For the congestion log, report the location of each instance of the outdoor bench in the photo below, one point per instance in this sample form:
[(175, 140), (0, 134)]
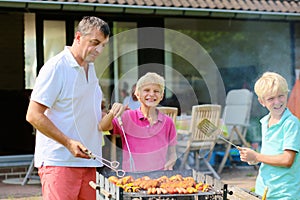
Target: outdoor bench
[(20, 161), (15, 160)]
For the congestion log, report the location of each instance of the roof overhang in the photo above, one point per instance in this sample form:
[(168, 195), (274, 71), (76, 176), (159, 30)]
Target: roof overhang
[(30, 5)]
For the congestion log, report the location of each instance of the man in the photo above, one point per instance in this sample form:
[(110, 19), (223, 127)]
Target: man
[(65, 108)]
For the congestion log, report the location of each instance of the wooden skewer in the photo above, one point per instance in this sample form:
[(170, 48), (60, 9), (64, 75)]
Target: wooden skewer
[(102, 190), (264, 197)]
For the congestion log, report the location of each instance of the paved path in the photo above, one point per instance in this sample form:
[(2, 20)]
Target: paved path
[(17, 191)]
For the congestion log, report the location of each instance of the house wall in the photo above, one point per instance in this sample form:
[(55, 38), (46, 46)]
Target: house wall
[(16, 133), (12, 54)]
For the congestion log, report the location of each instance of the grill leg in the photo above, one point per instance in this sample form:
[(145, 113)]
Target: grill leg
[(225, 191)]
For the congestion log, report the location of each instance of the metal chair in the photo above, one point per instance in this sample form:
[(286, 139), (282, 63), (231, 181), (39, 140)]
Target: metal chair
[(236, 117), (170, 111), (198, 143), (29, 174)]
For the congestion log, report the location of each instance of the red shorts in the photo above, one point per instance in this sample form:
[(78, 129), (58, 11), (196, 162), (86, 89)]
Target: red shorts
[(67, 183)]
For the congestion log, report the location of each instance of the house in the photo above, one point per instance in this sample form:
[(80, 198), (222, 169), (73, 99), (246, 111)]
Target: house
[(204, 48)]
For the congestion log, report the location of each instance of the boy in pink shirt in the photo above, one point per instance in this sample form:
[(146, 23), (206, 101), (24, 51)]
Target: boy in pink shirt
[(149, 142)]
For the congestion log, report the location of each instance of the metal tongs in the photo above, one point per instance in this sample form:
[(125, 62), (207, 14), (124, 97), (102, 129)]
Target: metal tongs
[(132, 165), (113, 165)]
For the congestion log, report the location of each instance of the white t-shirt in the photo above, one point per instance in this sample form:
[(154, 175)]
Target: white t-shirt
[(74, 107)]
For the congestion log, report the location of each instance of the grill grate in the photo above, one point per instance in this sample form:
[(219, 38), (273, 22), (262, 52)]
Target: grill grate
[(218, 192)]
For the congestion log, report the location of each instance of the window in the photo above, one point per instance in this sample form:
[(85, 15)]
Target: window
[(241, 50), (121, 63), (54, 38), (30, 50)]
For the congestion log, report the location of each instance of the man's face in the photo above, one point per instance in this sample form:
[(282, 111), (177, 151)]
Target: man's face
[(91, 45)]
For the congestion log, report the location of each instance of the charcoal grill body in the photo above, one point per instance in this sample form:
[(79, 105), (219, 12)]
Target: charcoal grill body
[(218, 192)]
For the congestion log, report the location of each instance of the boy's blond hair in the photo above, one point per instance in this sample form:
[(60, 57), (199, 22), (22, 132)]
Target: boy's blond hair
[(150, 78), (270, 83)]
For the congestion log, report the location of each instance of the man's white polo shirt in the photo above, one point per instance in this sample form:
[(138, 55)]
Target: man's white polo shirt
[(74, 104)]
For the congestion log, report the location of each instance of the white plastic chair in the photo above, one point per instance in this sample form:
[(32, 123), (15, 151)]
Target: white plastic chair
[(236, 117)]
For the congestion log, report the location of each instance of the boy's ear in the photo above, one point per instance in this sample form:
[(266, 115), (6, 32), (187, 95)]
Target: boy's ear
[(137, 94), (162, 96), (261, 102)]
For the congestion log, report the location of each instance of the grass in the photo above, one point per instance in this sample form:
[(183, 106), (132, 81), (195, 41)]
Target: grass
[(250, 174)]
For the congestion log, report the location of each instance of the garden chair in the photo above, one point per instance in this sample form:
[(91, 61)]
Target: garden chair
[(236, 117), (198, 143)]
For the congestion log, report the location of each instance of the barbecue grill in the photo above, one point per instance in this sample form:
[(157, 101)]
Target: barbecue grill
[(107, 190)]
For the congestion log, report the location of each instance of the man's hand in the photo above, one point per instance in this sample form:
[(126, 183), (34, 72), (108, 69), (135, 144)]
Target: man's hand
[(77, 149)]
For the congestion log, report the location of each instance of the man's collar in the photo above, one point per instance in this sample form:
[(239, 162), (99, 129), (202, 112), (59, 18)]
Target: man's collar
[(70, 57)]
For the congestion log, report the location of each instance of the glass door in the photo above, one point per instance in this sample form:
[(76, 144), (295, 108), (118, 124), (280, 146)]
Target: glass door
[(54, 38)]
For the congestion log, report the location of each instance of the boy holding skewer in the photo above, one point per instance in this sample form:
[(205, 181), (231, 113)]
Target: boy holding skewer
[(148, 136)]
